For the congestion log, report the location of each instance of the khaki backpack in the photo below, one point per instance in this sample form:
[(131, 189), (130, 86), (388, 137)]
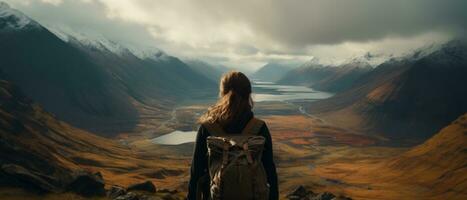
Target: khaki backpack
[(234, 162)]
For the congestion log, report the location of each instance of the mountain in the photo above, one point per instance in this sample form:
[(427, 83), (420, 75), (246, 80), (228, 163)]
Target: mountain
[(439, 163), (327, 78), (213, 72), (407, 98), (435, 169), (92, 84), (13, 19), (58, 76), (149, 73), (271, 72), (40, 153)]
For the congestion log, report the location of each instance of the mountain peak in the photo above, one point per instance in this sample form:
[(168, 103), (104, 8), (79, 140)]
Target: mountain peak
[(102, 43), (454, 47), (4, 5), (368, 59), (13, 19)]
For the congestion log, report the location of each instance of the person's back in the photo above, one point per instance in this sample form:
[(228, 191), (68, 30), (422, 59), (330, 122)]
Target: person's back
[(233, 156)]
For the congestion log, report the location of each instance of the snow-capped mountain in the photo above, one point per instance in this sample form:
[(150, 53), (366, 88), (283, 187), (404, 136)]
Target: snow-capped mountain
[(315, 61), (102, 43), (11, 18), (327, 77), (272, 71), (406, 97), (369, 58), (453, 47), (211, 71), (90, 82)]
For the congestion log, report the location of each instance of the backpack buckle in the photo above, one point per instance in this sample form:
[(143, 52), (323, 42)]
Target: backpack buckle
[(247, 153), (225, 153)]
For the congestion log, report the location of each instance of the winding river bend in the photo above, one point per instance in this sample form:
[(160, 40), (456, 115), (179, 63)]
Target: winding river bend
[(263, 92)]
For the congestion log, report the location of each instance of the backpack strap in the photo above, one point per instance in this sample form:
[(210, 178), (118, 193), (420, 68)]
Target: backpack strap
[(214, 129), (253, 127)]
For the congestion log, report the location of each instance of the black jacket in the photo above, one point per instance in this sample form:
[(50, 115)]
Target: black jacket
[(199, 164)]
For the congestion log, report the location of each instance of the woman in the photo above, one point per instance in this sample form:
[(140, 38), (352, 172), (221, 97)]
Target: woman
[(231, 114)]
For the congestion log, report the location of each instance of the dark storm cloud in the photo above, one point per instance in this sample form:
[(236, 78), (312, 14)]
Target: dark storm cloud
[(84, 17), (308, 22), (256, 31)]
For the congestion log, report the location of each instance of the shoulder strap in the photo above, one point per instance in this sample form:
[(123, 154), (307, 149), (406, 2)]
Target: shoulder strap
[(214, 129), (253, 127)]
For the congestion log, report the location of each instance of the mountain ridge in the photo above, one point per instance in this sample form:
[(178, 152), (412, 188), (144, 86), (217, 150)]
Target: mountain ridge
[(91, 88), (402, 97), (326, 77)]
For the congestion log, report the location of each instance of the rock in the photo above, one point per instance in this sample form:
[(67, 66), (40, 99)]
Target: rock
[(99, 175), (324, 196), (341, 198), (16, 175), (147, 186), (299, 193), (116, 191), (132, 196), (127, 196), (165, 190), (87, 184)]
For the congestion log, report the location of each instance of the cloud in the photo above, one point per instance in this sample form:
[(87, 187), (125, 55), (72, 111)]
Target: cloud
[(53, 2), (249, 33)]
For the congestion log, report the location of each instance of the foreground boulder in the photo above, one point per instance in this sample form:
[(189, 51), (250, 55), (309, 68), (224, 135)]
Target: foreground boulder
[(146, 186), (165, 190), (87, 184), (324, 196), (301, 193), (15, 175), (129, 196), (116, 191)]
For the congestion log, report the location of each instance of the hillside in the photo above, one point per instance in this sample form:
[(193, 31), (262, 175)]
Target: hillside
[(271, 72), (326, 78), (210, 71), (436, 169), (147, 75), (439, 163), (408, 98), (88, 84), (42, 154)]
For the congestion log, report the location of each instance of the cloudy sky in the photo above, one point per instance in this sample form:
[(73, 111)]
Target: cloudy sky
[(246, 34)]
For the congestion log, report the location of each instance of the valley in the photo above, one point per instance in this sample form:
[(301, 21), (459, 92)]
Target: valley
[(302, 142), (86, 117)]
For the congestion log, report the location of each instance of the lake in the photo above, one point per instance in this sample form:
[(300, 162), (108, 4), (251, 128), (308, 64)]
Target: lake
[(263, 92), (176, 138), (268, 91)]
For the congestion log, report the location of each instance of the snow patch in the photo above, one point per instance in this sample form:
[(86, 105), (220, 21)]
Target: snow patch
[(13, 18), (100, 42)]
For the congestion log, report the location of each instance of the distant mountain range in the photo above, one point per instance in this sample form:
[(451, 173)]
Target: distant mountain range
[(440, 162), (37, 151), (44, 155), (326, 78), (213, 72), (271, 72), (92, 84), (407, 98), (435, 169)]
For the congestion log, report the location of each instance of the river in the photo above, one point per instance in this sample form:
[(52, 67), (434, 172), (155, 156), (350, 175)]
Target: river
[(263, 92)]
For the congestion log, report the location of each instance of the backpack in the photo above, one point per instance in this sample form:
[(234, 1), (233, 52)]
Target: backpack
[(234, 163)]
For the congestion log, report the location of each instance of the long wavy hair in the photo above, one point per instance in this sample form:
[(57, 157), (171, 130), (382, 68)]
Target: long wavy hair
[(234, 99)]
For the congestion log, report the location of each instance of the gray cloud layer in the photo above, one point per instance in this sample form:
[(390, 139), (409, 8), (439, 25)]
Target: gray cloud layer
[(305, 22), (246, 32)]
